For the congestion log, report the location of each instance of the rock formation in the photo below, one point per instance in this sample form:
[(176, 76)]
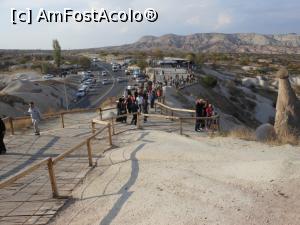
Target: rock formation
[(287, 118), (265, 132)]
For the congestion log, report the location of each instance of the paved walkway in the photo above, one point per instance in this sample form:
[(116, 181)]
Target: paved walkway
[(29, 200)]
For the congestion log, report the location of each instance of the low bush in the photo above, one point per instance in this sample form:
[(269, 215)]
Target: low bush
[(209, 81)]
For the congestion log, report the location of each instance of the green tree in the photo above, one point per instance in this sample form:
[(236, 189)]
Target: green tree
[(190, 57), (142, 64), (84, 62), (56, 53), (158, 54), (199, 60)]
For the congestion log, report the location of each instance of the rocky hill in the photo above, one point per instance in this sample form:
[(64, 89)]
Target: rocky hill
[(218, 42)]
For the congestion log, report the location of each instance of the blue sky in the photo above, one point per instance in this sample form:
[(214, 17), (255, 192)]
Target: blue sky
[(175, 16)]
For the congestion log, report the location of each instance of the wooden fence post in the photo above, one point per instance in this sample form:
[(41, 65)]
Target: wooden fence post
[(180, 123), (11, 124), (155, 107), (89, 149), (100, 114), (52, 178), (109, 134), (218, 124), (138, 121), (113, 126), (62, 120), (93, 128)]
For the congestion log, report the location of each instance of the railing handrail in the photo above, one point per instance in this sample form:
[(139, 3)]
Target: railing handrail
[(50, 161), (23, 172), (49, 115), (108, 125)]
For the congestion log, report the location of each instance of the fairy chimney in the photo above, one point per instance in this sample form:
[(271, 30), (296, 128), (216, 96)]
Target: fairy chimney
[(288, 106)]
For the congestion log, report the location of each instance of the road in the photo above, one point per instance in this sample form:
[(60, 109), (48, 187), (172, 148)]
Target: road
[(99, 92)]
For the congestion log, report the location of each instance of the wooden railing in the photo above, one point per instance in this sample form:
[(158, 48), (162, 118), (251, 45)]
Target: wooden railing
[(172, 111), (109, 124), (9, 121), (51, 162), (169, 110)]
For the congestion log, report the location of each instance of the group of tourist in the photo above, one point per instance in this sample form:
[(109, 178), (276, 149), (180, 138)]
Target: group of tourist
[(136, 101), (204, 110), (179, 81)]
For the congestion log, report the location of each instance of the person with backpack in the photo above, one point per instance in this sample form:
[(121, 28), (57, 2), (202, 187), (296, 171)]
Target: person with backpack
[(2, 134)]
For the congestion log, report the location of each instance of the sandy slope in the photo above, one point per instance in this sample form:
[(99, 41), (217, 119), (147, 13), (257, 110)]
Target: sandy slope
[(48, 96), (161, 178)]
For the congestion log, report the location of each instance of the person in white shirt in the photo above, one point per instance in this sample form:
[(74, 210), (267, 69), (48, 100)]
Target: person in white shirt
[(35, 117), (140, 101)]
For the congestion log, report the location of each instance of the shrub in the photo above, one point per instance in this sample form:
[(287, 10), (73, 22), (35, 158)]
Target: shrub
[(209, 81), (243, 133)]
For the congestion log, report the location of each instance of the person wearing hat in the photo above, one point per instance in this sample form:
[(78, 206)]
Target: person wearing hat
[(2, 134)]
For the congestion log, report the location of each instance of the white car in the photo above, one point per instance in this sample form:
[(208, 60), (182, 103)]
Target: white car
[(80, 93), (104, 73), (88, 82), (106, 81), (121, 79), (84, 87), (48, 77)]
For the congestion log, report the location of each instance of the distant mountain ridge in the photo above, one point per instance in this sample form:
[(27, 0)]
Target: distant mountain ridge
[(218, 42)]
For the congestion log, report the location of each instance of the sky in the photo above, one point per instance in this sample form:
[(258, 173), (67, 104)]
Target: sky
[(180, 17)]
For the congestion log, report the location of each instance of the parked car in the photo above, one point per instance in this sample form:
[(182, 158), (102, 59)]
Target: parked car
[(48, 76), (121, 79), (106, 81), (104, 73), (127, 72), (84, 87), (88, 82), (80, 93)]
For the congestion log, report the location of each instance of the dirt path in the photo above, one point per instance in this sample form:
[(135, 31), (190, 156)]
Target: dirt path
[(163, 178)]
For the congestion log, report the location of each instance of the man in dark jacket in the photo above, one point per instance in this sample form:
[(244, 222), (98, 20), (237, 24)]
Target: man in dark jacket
[(134, 110), (199, 113), (2, 134)]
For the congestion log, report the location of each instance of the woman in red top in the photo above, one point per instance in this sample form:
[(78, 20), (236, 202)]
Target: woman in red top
[(209, 113)]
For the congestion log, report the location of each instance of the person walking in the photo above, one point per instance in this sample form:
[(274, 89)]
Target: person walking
[(152, 99), (2, 134), (145, 107), (209, 113), (199, 109), (134, 110), (129, 101), (35, 117), (140, 101)]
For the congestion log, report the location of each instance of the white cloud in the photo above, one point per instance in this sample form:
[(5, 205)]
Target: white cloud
[(175, 16)]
